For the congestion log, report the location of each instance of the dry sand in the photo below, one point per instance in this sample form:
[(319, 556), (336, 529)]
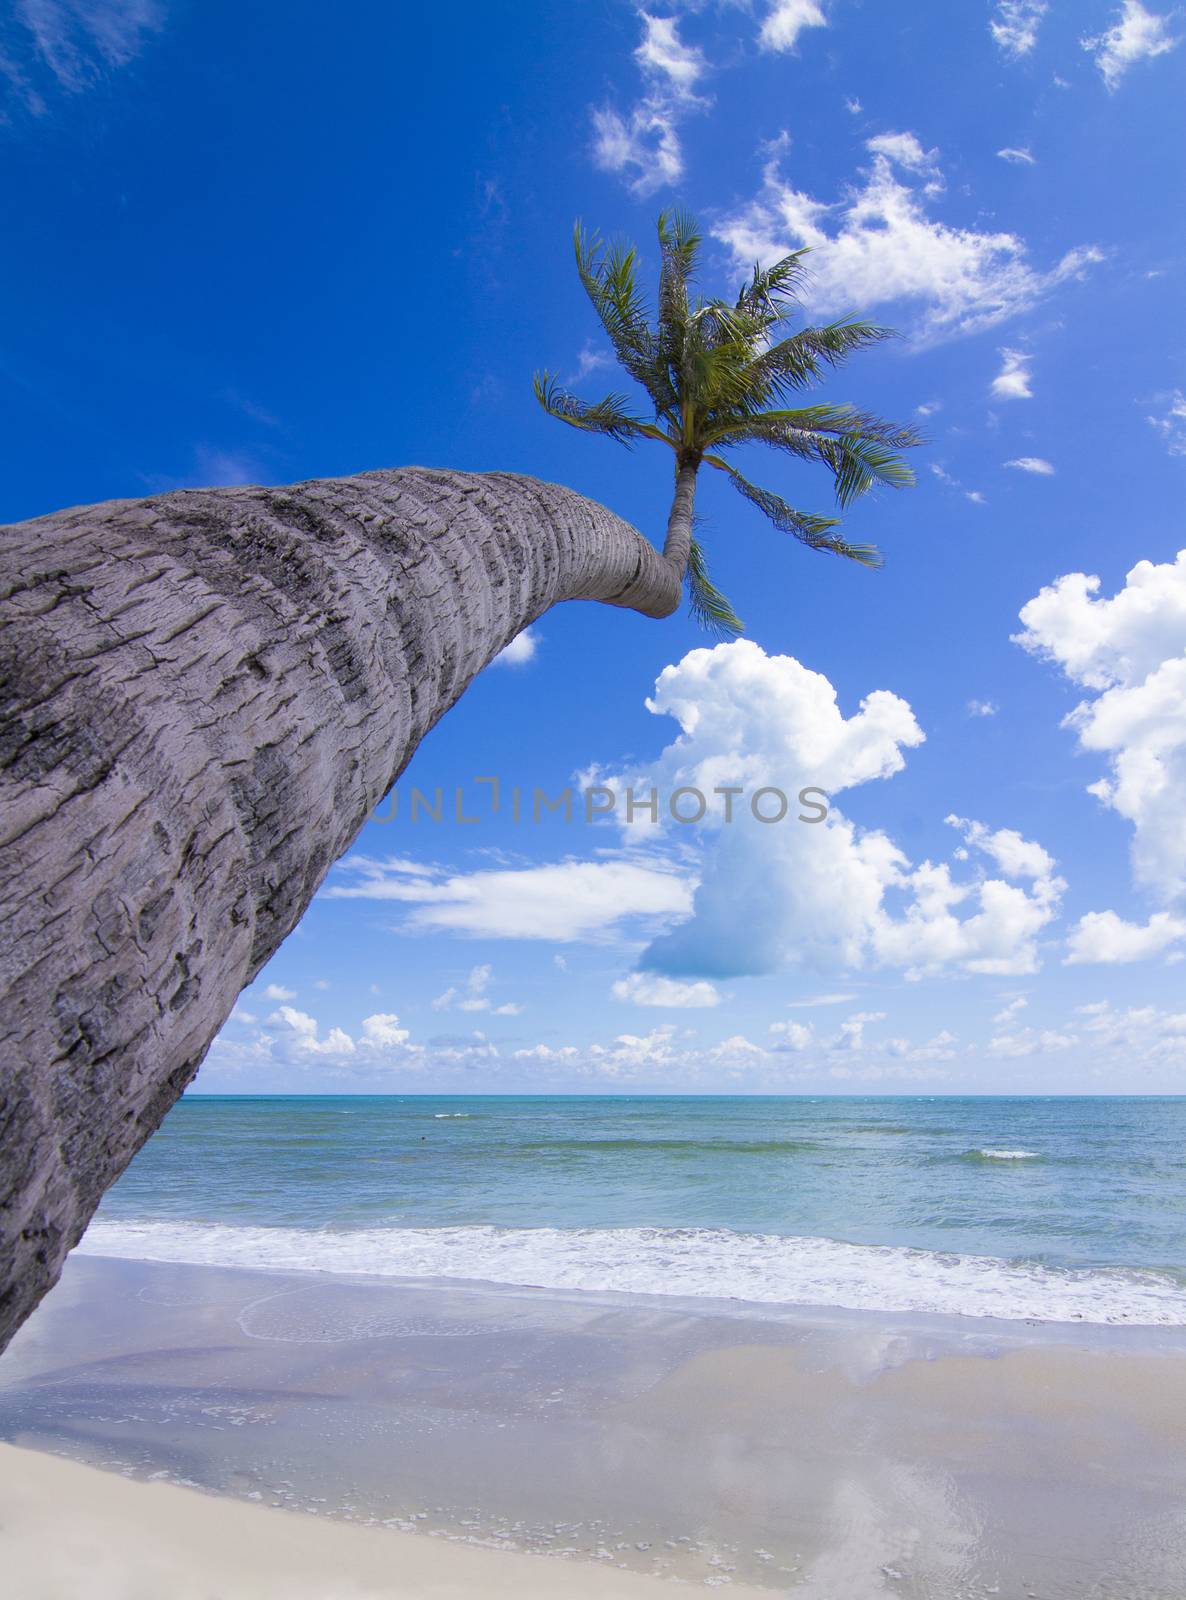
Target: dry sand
[(69, 1532)]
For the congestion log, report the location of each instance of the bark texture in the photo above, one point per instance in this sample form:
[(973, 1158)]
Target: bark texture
[(202, 696)]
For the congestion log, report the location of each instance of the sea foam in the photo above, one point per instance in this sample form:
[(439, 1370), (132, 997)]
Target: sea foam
[(689, 1262)]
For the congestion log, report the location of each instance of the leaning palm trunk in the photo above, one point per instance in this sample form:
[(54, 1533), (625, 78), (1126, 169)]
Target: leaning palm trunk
[(202, 696)]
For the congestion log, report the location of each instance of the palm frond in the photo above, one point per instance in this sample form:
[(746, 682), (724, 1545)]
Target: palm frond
[(769, 289), (858, 462), (710, 607), (859, 450), (818, 533), (799, 360), (608, 416), (609, 276), (679, 245)]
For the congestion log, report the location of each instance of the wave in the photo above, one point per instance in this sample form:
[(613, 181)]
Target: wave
[(1004, 1155), (689, 1262)]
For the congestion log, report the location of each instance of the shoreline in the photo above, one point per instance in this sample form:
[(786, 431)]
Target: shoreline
[(71, 1529), (769, 1448)]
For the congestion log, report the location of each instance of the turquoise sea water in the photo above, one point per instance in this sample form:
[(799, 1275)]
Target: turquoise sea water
[(1053, 1207)]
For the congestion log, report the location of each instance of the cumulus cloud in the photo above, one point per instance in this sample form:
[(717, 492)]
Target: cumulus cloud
[(1036, 465), (1136, 35), (304, 1034), (563, 901), (1014, 25), (826, 896), (786, 20), (519, 652), (1102, 936), (1012, 382), (880, 244), (1130, 651), (473, 995), (793, 1036), (1144, 1034), (643, 145), (981, 708), (650, 989), (277, 991), (1030, 1042)]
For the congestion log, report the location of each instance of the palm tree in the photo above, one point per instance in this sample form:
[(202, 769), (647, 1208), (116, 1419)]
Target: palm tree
[(718, 376), (203, 695)]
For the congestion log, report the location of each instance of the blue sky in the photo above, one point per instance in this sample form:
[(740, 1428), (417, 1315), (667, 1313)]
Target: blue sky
[(269, 243)]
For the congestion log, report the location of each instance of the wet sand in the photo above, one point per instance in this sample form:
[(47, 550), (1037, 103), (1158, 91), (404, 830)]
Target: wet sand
[(820, 1454)]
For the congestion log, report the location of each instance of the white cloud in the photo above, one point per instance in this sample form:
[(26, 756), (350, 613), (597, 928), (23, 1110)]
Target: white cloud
[(473, 996), (853, 105), (819, 1000), (1142, 1034), (830, 896), (1136, 35), (664, 54), (879, 244), (1102, 936), (786, 20), (79, 41), (382, 1032), (1131, 651), (1036, 465), (1008, 1014), (643, 146), (1014, 25), (905, 150), (1030, 1042), (974, 495), (590, 359), (794, 1036), (1018, 157), (1172, 426), (519, 652), (303, 1030), (565, 901), (981, 708), (1012, 382), (277, 991), (650, 989)]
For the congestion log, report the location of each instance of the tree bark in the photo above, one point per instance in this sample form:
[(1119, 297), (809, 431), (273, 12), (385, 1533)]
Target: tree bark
[(679, 522), (202, 696)]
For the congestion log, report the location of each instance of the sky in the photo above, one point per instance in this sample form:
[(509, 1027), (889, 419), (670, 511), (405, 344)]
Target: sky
[(266, 243)]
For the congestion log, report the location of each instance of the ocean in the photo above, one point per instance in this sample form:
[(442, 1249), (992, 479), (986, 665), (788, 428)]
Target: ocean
[(1055, 1209)]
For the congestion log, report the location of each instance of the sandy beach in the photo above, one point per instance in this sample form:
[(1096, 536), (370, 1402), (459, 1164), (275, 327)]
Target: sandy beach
[(359, 1437), (70, 1530)]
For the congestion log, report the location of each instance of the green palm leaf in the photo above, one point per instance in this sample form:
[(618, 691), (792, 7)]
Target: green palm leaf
[(817, 533), (608, 416), (719, 374), (710, 607)]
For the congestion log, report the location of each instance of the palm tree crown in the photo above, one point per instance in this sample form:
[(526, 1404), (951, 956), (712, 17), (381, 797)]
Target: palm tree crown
[(718, 376)]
